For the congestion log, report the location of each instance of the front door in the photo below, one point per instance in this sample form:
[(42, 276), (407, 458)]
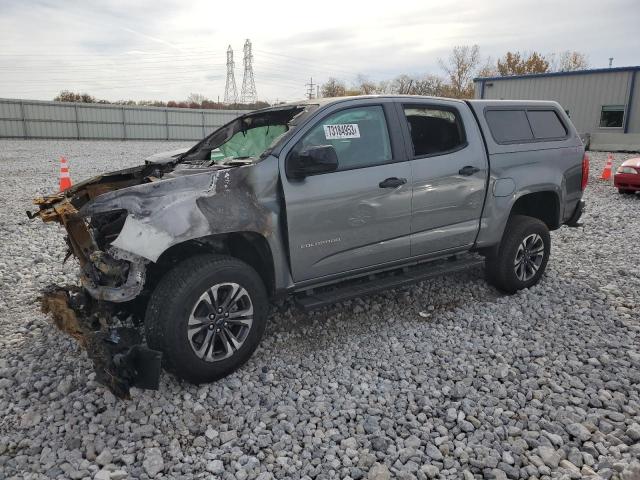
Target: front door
[(449, 168), (359, 215)]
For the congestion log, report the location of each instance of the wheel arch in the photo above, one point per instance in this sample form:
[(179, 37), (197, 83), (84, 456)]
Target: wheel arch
[(249, 247), (543, 205)]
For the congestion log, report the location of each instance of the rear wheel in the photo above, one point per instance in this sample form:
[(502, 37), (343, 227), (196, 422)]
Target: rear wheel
[(207, 316), (624, 191), (522, 256)]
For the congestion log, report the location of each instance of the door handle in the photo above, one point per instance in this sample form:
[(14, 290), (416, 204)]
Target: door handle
[(468, 170), (392, 182)]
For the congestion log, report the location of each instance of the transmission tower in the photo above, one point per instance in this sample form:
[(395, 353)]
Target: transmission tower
[(310, 89), (248, 94), (230, 90)]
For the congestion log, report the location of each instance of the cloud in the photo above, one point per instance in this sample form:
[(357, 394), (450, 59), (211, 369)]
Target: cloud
[(166, 49)]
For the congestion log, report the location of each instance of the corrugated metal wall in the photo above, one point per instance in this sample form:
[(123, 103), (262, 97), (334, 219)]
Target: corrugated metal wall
[(36, 119), (634, 118), (583, 95)]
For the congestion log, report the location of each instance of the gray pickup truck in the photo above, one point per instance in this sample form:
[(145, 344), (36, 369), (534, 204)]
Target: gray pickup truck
[(323, 201)]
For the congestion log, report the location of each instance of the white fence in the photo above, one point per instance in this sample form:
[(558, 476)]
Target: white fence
[(38, 119)]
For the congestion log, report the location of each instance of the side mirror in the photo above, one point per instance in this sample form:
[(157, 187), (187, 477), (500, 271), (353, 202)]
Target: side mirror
[(311, 161)]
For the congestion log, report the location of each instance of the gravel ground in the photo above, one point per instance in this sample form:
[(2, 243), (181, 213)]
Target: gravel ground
[(447, 379)]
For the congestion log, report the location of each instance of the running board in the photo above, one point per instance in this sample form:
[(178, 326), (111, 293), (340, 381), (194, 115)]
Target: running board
[(312, 299)]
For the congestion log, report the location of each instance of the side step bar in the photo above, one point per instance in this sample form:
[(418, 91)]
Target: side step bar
[(312, 299)]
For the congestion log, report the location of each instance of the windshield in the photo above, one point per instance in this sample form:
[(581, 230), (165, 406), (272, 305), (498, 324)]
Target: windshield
[(247, 138), (248, 143)]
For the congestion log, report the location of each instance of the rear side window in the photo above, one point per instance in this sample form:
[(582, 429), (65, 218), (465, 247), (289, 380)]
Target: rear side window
[(509, 126), (434, 130), (523, 126), (546, 124)]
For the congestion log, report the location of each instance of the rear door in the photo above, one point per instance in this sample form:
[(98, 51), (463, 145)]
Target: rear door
[(359, 216), (449, 168)]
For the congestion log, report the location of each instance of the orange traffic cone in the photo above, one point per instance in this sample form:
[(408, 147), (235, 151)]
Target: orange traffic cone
[(65, 179), (606, 173)]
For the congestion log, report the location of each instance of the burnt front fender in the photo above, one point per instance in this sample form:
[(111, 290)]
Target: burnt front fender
[(184, 207)]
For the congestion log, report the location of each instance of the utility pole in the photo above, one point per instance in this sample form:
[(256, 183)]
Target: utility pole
[(248, 93), (230, 90), (310, 89)]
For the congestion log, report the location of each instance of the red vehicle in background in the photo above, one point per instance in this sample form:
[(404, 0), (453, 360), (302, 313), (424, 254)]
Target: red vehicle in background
[(627, 177)]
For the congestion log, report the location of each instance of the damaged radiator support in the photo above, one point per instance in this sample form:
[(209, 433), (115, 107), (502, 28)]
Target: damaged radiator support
[(119, 360)]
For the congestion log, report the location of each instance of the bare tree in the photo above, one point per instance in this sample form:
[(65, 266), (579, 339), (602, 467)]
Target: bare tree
[(364, 86), (333, 88), (459, 68), (402, 85), (431, 85), (195, 100), (69, 96), (489, 69), (569, 61)]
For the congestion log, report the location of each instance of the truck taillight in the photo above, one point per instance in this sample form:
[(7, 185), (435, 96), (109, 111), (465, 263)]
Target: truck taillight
[(585, 171)]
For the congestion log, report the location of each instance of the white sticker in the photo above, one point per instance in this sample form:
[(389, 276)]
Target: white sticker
[(343, 130)]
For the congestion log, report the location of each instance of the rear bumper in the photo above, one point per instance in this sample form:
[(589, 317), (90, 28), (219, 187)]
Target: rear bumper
[(577, 213)]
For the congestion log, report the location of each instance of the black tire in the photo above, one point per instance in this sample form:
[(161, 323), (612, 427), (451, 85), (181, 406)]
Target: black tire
[(624, 191), (500, 265), (179, 292)]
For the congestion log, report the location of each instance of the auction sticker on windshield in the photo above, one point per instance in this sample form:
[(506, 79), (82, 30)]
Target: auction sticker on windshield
[(340, 131)]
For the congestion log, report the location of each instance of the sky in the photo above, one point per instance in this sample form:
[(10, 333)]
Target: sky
[(167, 49)]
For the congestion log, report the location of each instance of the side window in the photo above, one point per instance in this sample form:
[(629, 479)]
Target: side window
[(509, 126), (434, 130), (546, 124), (359, 136), (612, 116)]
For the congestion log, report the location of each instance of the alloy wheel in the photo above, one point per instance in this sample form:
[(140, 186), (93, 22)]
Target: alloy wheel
[(529, 257), (220, 321)]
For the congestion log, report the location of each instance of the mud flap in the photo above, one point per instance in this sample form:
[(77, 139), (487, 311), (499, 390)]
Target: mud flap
[(119, 359)]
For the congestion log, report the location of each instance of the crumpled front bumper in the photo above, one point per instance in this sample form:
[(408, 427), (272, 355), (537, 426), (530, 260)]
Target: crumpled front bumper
[(119, 359), (110, 274), (99, 313)]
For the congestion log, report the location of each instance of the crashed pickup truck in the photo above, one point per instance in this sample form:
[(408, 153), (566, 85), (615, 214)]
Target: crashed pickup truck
[(321, 201)]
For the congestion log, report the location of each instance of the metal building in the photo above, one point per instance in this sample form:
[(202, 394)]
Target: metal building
[(604, 104)]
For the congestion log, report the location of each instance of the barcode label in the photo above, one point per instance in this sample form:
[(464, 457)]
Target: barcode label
[(340, 131)]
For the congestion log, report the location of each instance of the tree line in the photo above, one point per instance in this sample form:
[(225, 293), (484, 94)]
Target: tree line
[(463, 64), (194, 100)]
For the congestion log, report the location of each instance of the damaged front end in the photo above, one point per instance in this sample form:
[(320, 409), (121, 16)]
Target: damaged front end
[(98, 314), (119, 359), (124, 224)]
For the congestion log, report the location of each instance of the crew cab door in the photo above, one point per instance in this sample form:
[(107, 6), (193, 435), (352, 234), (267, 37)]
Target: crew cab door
[(449, 168), (359, 215)]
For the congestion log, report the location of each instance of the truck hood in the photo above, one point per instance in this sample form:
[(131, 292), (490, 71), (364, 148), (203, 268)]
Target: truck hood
[(164, 157)]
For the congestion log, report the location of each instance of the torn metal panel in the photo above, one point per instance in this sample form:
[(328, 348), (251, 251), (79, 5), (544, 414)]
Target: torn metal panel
[(119, 359), (191, 203)]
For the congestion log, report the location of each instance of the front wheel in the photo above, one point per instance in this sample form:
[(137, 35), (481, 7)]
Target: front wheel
[(624, 191), (522, 256), (207, 316)]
